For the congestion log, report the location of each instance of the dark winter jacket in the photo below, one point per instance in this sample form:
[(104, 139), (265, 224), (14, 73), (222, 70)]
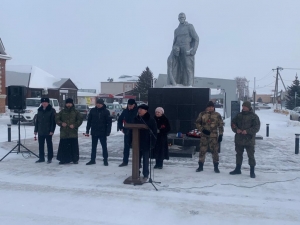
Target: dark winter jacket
[(45, 121), (127, 116), (145, 141), (99, 121), (161, 150), (70, 116), (248, 121)]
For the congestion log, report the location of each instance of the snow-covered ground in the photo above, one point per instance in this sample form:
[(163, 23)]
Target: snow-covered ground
[(78, 194)]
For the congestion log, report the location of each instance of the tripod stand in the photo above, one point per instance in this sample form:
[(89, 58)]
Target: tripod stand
[(18, 146)]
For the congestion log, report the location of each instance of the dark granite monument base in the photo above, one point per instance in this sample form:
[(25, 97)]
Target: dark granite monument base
[(181, 105), (182, 151)]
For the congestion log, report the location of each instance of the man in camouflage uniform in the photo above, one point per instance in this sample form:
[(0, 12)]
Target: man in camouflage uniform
[(211, 125), (245, 126)]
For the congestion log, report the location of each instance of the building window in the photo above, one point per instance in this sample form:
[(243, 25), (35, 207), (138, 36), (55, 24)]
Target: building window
[(36, 94)]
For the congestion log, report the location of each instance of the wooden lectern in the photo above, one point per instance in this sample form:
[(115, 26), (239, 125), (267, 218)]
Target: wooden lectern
[(135, 178)]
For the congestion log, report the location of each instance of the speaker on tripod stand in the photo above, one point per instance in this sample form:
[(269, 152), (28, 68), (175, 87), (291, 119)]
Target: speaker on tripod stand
[(17, 102)]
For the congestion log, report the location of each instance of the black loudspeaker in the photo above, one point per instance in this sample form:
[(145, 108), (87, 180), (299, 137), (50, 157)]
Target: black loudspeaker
[(16, 97)]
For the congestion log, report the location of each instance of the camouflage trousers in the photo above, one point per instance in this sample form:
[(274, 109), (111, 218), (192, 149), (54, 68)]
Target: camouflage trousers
[(250, 152), (213, 144)]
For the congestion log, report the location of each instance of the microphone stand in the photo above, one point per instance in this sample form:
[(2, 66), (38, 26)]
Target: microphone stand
[(150, 164)]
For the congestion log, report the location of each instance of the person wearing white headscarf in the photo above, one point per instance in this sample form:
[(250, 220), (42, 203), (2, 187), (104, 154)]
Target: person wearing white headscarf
[(161, 150)]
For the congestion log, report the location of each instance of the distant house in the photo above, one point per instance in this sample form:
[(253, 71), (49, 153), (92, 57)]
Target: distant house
[(3, 57), (265, 98), (41, 84), (123, 84)]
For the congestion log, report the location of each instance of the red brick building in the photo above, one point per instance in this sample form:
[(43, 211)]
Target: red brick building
[(3, 58)]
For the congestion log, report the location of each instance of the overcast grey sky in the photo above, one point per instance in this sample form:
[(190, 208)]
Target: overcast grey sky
[(91, 40)]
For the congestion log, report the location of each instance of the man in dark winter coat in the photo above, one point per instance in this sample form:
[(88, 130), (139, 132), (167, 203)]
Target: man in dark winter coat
[(69, 120), (147, 136), (127, 116), (245, 126), (99, 121), (211, 125), (45, 127)]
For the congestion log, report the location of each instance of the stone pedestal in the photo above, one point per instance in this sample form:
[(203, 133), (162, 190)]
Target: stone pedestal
[(182, 105)]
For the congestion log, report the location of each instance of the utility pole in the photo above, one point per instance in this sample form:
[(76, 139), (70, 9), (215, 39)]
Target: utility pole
[(275, 98), (254, 95)]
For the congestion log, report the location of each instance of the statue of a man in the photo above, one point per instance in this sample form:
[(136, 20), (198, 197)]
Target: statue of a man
[(181, 60)]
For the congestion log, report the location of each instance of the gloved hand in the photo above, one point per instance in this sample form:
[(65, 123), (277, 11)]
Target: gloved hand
[(107, 134), (220, 138), (207, 132)]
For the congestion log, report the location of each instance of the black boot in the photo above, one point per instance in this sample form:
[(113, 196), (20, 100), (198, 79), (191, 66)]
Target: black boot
[(252, 174), (123, 164), (156, 164), (216, 169), (91, 162), (160, 166), (105, 162), (237, 170), (200, 168), (40, 160)]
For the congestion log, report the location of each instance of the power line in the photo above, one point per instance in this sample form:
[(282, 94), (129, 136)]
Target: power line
[(265, 75), (291, 68)]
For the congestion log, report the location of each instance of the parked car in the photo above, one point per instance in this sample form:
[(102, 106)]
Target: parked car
[(140, 103), (83, 109), (218, 105), (295, 114), (124, 105), (263, 106), (256, 106), (30, 113), (114, 109)]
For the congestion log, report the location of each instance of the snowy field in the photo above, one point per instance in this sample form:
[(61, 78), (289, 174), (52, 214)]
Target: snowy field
[(33, 194)]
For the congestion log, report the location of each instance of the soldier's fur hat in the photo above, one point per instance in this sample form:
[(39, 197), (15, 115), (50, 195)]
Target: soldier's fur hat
[(143, 106), (45, 100)]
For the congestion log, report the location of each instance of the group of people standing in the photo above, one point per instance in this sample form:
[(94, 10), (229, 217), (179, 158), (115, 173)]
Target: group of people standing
[(153, 141), (245, 125)]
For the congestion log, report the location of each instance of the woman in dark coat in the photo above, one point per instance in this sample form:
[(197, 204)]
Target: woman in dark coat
[(161, 150)]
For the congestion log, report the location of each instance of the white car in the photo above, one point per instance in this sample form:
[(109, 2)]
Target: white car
[(29, 114), (124, 105), (295, 114)]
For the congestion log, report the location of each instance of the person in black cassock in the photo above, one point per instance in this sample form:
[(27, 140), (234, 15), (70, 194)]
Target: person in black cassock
[(69, 120), (147, 138), (161, 150), (127, 116), (99, 121), (45, 127)]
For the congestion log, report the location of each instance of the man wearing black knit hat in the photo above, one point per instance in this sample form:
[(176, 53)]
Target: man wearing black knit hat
[(211, 126), (99, 121), (147, 138), (44, 127), (69, 120), (127, 116)]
